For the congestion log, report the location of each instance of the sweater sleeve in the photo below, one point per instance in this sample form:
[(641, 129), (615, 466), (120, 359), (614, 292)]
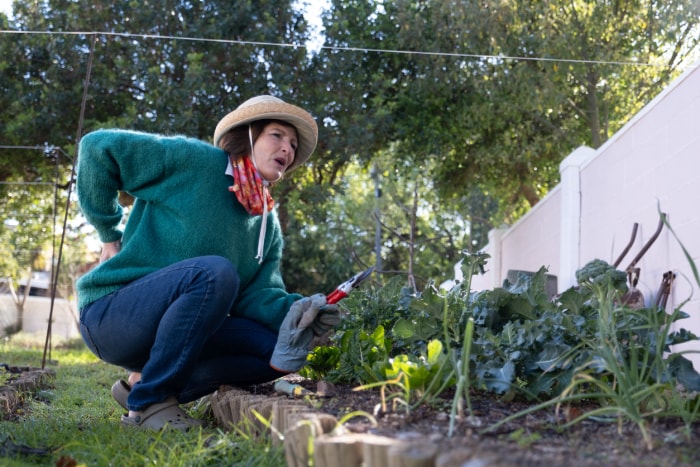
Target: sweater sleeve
[(98, 182), (265, 299), (114, 160)]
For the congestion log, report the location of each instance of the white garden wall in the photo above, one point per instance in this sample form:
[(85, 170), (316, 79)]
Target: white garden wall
[(651, 164), (36, 316)]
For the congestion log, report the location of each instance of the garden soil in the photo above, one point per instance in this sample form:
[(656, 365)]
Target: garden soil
[(537, 439)]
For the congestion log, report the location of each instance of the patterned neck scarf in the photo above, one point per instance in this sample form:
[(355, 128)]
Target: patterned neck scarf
[(250, 188), (252, 192)]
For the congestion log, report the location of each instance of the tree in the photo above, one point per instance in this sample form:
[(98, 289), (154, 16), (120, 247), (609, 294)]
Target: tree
[(580, 71), (420, 239), (143, 69), (467, 107), (499, 92), (29, 233), (147, 72)]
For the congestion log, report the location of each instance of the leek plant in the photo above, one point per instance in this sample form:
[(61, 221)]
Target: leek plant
[(627, 379), (625, 371), (471, 265)]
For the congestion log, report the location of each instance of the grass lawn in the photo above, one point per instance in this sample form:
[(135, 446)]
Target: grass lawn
[(76, 421)]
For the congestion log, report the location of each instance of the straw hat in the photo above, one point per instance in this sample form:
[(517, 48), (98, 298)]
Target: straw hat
[(272, 108)]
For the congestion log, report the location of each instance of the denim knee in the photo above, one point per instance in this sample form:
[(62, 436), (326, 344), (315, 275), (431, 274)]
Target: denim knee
[(223, 271), (222, 267)]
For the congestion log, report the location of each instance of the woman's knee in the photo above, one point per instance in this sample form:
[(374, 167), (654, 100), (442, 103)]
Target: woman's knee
[(222, 272)]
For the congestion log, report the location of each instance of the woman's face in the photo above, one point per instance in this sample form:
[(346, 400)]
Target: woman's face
[(274, 150)]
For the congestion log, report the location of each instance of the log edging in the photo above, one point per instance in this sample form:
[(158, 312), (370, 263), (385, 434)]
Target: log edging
[(28, 381), (311, 437)]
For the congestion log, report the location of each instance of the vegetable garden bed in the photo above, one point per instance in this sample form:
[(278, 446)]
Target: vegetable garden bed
[(349, 429)]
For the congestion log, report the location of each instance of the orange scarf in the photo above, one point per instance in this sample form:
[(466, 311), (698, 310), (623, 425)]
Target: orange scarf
[(250, 188)]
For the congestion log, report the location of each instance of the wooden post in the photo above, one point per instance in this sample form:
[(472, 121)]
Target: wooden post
[(334, 451), (280, 412), (375, 450), (419, 454), (305, 429)]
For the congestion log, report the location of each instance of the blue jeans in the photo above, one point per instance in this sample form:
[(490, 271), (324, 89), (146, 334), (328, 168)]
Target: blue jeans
[(174, 326)]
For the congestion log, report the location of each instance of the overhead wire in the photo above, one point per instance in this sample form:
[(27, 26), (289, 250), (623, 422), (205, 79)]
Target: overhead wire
[(337, 48), (94, 34)]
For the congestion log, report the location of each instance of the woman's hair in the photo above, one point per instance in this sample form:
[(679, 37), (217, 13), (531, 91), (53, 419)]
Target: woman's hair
[(236, 141)]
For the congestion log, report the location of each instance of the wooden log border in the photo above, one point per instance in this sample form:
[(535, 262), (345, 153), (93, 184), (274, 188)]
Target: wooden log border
[(311, 437), (29, 381)]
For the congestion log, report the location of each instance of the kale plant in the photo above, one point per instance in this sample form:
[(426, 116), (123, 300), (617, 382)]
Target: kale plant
[(522, 342)]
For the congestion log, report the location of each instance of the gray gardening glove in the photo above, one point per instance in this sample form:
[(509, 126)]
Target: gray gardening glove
[(296, 335), (320, 316), (327, 318)]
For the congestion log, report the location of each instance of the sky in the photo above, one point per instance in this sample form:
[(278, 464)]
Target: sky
[(6, 6)]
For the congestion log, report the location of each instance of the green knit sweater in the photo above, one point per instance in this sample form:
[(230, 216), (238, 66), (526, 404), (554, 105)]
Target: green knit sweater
[(183, 209)]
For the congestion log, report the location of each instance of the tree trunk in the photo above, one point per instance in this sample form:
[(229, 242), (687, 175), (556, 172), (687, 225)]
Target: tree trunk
[(593, 108)]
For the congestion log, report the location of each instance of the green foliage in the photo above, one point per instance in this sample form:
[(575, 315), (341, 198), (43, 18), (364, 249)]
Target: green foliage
[(461, 359), (362, 356), (582, 344), (599, 272), (511, 88), (335, 235), (321, 361), (475, 128), (522, 341), (434, 363), (375, 305), (431, 370), (626, 370), (411, 381)]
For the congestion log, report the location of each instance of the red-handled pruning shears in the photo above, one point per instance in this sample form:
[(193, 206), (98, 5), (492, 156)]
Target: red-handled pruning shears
[(346, 287)]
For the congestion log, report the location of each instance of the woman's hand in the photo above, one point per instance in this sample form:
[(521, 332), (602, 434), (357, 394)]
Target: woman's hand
[(110, 249)]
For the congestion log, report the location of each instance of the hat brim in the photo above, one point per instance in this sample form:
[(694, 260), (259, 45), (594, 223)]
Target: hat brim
[(307, 130)]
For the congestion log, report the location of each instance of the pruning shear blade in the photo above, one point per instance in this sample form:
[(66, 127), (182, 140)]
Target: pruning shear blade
[(346, 287)]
